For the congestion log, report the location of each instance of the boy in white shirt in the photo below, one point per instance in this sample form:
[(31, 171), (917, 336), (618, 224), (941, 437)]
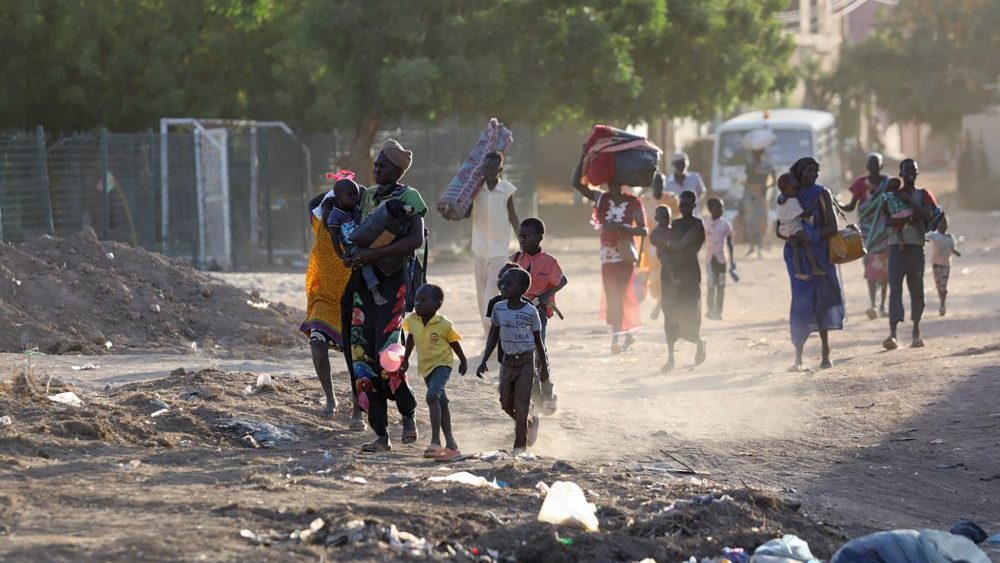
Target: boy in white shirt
[(942, 247), (493, 221)]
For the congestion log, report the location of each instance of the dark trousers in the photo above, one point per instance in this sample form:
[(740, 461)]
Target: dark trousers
[(516, 374), (380, 323), (906, 261)]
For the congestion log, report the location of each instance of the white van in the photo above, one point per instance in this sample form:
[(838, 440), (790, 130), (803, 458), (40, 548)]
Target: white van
[(799, 132)]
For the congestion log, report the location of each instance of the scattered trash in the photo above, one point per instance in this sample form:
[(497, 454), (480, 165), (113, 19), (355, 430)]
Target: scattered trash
[(358, 480), (6, 420), (563, 467), (258, 434), (160, 412), (787, 547), (264, 382), (970, 530), (565, 541), (496, 455), (258, 304), (466, 478), (910, 545), (85, 367), (565, 504), (936, 441), (66, 398), (951, 465), (154, 308), (400, 477)]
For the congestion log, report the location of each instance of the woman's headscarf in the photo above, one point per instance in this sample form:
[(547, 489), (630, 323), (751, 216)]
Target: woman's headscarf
[(396, 154), (800, 166)]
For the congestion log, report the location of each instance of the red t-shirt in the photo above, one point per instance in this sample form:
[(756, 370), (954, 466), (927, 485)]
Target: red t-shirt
[(544, 269)]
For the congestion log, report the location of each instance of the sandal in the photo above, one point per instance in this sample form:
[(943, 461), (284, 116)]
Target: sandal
[(376, 446), (448, 454), (434, 451)]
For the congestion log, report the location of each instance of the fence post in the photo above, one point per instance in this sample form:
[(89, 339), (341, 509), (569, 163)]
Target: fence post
[(150, 185), (267, 204), (105, 188), (254, 196), (199, 190), (164, 189), (44, 167)]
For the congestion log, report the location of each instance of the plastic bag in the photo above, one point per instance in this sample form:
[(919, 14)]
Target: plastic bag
[(567, 505)]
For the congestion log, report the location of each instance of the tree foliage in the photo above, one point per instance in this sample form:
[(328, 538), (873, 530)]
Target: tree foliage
[(79, 64), (929, 62)]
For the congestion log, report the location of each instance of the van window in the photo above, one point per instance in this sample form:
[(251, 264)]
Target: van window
[(791, 144)]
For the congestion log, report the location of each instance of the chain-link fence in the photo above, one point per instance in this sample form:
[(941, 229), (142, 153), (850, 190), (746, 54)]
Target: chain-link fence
[(220, 194)]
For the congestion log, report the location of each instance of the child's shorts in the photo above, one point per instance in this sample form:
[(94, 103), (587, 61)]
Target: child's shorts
[(941, 274), (436, 382)]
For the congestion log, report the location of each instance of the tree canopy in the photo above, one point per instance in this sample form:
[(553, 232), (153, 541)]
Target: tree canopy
[(928, 62), (77, 64)]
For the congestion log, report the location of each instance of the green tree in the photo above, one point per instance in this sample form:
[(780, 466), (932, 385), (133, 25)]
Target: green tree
[(929, 62), (536, 62)]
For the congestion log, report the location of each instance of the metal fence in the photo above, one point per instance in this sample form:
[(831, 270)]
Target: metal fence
[(117, 184)]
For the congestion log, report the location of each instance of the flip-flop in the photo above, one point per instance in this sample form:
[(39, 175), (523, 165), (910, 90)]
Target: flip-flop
[(434, 451), (448, 454), (376, 446)]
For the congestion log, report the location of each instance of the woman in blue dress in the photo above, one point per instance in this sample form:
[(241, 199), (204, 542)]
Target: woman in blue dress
[(817, 302)]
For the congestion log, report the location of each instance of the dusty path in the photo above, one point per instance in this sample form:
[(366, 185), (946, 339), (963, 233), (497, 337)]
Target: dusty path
[(909, 438)]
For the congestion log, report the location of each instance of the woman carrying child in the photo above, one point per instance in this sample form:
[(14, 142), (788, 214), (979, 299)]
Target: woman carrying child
[(376, 330), (817, 303)]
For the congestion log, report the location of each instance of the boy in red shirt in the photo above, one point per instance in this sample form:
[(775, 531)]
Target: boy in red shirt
[(547, 278)]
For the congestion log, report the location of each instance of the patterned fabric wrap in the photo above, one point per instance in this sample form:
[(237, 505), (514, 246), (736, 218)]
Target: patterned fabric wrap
[(457, 198), (599, 152)]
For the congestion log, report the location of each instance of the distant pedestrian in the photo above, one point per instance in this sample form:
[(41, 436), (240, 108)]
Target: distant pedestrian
[(942, 248), (493, 220), (682, 290), (718, 256), (906, 252), (868, 196)]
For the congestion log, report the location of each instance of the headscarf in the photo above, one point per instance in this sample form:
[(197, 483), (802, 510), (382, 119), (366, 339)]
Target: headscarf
[(396, 154), (680, 156), (800, 166)]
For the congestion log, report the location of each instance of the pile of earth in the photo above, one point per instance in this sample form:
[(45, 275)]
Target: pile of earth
[(78, 294), (196, 444)]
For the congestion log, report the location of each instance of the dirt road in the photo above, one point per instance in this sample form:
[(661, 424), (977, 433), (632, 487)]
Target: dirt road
[(909, 438)]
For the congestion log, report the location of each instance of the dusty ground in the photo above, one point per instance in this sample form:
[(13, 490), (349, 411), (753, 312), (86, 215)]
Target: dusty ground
[(882, 440)]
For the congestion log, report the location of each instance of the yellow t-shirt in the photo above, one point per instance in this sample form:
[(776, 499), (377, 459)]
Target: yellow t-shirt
[(432, 341)]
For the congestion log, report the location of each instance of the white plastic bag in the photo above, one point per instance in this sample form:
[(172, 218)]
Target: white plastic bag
[(467, 478), (566, 504), (67, 398)]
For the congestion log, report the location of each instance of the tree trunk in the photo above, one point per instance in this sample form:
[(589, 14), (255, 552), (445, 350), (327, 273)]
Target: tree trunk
[(360, 158)]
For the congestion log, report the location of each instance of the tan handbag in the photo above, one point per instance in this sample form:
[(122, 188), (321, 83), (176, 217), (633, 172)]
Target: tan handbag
[(847, 245)]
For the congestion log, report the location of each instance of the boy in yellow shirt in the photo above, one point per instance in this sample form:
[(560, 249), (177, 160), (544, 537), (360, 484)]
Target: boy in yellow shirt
[(437, 344)]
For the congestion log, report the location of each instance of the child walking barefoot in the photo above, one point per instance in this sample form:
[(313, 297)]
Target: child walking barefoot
[(516, 324), (942, 248), (437, 344)]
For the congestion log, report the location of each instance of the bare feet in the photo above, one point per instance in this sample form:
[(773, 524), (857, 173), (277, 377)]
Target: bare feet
[(890, 343), (409, 430), (795, 368), (331, 406), (872, 314), (942, 311), (700, 355), (669, 366), (358, 423), (917, 342), (826, 364)]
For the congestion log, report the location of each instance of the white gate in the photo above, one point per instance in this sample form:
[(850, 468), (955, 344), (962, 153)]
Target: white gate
[(212, 170)]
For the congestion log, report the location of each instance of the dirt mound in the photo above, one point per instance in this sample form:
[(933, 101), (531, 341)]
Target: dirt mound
[(74, 295), (209, 408)]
